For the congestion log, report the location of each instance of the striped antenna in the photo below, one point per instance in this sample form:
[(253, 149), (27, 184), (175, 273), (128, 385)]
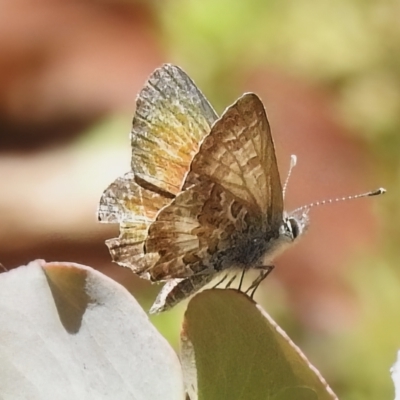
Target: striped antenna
[(331, 201), (293, 162)]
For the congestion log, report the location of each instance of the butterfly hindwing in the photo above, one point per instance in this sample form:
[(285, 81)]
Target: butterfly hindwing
[(178, 237), (134, 208), (127, 249), (176, 290), (192, 234)]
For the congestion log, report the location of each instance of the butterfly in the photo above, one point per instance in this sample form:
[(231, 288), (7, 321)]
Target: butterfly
[(204, 195)]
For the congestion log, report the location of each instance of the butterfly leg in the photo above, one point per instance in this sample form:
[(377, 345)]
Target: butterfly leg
[(220, 281), (265, 271), (241, 280), (228, 285)]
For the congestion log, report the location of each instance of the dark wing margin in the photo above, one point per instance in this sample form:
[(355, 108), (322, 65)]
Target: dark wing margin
[(172, 117), (239, 155)]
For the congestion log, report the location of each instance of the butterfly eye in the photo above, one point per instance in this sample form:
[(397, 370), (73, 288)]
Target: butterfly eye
[(294, 227)]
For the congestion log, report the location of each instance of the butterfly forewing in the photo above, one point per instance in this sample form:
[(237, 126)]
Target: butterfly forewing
[(172, 117), (239, 155)]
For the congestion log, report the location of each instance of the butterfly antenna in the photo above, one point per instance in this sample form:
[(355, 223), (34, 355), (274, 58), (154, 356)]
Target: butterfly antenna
[(331, 201), (293, 161)]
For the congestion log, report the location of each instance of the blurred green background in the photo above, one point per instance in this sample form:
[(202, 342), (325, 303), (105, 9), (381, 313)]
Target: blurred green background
[(329, 76)]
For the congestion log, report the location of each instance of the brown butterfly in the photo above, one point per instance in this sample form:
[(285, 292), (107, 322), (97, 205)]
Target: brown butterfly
[(204, 196)]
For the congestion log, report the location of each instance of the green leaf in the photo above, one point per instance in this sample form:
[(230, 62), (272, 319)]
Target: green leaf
[(232, 349)]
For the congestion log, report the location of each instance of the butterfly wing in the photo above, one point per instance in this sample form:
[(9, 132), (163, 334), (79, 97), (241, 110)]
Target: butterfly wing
[(176, 290), (172, 117), (192, 232), (134, 208), (239, 155), (177, 236)]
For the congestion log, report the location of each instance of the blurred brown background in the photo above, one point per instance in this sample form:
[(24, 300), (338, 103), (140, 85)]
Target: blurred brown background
[(329, 75)]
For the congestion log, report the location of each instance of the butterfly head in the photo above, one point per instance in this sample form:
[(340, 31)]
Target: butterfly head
[(294, 225)]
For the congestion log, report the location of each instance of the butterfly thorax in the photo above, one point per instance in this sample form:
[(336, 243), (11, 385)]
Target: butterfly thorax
[(254, 248), (247, 251), (293, 226)]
